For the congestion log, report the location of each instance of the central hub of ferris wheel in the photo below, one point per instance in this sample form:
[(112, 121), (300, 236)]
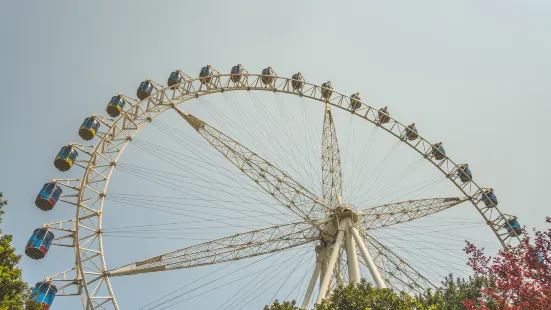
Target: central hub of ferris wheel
[(343, 213)]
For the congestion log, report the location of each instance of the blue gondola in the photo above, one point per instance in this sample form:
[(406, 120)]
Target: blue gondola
[(89, 128), (65, 158), (39, 243), (48, 196), (513, 227), (267, 75), (44, 293), (326, 90), (236, 73), (298, 81), (438, 151), (535, 255), (464, 173), (115, 106), (144, 90), (355, 101), (384, 115), (411, 132), (205, 74), (489, 198), (174, 78)]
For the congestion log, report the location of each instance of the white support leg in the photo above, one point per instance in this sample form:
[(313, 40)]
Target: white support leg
[(320, 253), (330, 267), (338, 273), (368, 259), (351, 255), (324, 253)]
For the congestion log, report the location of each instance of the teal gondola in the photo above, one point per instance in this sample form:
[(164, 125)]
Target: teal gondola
[(44, 293), (326, 90), (89, 128), (438, 151), (65, 158), (513, 227), (267, 75), (411, 132), (48, 196), (384, 115), (38, 245), (115, 106), (236, 73), (489, 198), (144, 90), (297, 81), (355, 101), (174, 79), (464, 173), (206, 74)]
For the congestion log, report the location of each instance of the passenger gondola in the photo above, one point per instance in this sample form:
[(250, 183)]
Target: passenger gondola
[(355, 101), (39, 243), (89, 128), (115, 106), (65, 158), (48, 196)]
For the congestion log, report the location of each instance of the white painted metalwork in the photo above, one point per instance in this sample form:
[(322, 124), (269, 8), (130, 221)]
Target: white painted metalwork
[(368, 259), (324, 220)]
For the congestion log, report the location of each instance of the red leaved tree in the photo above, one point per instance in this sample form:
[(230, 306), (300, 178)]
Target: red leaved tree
[(521, 276)]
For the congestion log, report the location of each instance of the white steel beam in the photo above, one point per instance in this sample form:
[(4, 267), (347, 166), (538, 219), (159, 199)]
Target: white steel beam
[(368, 259), (320, 254), (330, 267), (404, 211), (236, 247), (331, 172), (351, 255)]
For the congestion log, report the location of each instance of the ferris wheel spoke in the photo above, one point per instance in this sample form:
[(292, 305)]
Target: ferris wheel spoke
[(275, 182), (405, 211), (396, 272), (236, 247), (330, 162)]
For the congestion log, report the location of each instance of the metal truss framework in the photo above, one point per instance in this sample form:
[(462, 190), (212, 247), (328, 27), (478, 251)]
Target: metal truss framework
[(279, 185), (239, 246), (90, 276), (399, 212), (399, 274), (331, 176)]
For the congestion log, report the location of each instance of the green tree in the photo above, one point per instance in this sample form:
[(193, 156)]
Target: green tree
[(14, 292), (452, 293), (287, 305), (450, 296), (363, 296), (360, 296)]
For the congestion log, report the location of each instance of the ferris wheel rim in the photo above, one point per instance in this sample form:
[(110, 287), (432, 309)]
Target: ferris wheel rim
[(214, 90)]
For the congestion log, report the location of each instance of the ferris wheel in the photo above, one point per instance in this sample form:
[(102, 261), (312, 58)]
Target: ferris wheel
[(323, 220)]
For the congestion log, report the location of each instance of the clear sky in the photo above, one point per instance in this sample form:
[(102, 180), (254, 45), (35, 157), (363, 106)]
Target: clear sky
[(473, 74)]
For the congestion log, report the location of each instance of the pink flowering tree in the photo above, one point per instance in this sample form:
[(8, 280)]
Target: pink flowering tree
[(521, 276)]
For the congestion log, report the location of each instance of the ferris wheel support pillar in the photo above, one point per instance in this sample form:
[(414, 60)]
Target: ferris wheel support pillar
[(320, 253), (324, 287), (324, 253), (368, 259), (351, 255)]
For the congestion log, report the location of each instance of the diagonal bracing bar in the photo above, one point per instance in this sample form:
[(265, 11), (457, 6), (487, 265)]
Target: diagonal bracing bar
[(279, 185), (395, 271), (236, 247), (331, 173), (405, 211)]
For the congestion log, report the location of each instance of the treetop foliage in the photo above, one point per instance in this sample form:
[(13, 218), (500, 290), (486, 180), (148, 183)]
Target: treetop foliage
[(13, 290)]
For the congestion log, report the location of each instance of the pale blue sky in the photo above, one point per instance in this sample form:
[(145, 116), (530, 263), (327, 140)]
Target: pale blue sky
[(473, 74)]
